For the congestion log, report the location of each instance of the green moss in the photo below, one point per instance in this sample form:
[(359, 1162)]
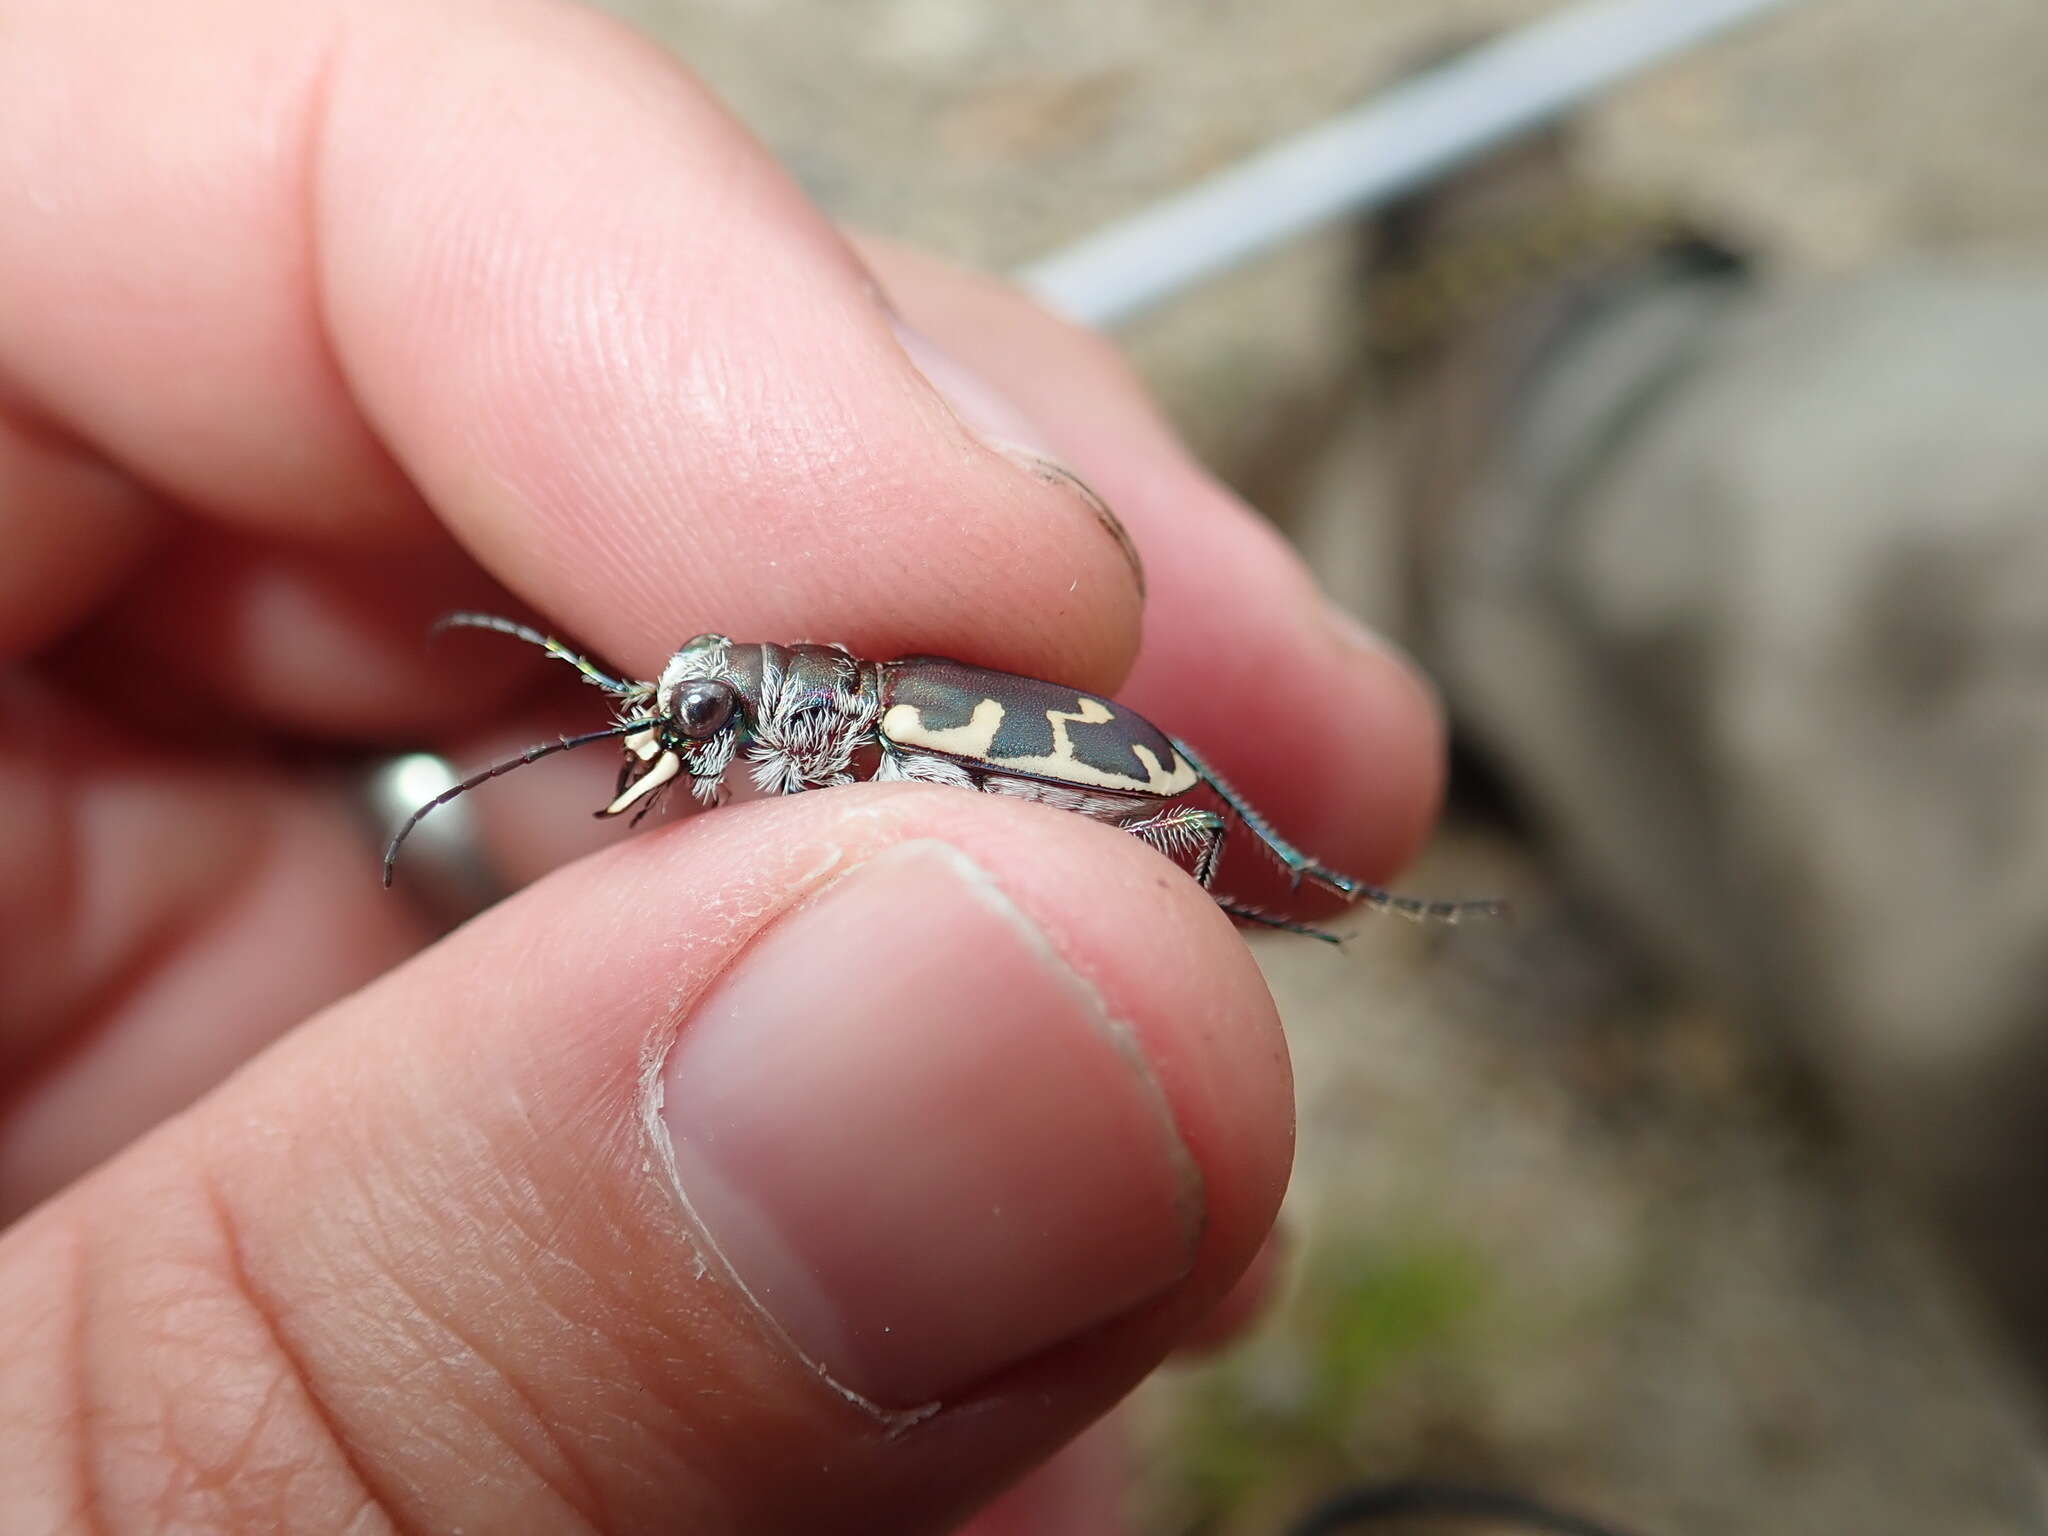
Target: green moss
[(1289, 1410), (1385, 1307)]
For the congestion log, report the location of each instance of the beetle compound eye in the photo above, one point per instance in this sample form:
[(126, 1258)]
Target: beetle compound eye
[(702, 708)]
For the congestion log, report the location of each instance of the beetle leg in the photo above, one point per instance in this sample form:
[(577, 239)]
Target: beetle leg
[(1267, 920), (1174, 831), (1180, 830), (1300, 866), (1297, 864), (920, 768)]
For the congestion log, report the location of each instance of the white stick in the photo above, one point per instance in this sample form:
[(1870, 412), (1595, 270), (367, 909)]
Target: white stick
[(1415, 131)]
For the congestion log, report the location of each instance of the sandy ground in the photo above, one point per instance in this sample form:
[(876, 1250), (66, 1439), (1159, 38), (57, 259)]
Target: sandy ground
[(1557, 1223)]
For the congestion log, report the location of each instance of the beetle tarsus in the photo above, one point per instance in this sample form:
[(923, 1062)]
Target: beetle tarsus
[(1416, 908), (1266, 920)]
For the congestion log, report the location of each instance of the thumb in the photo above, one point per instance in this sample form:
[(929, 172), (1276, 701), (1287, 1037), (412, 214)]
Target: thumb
[(819, 1165)]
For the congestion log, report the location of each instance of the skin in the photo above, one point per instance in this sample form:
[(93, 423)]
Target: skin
[(316, 321)]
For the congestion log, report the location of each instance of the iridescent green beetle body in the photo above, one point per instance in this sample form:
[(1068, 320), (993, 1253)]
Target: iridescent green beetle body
[(815, 716)]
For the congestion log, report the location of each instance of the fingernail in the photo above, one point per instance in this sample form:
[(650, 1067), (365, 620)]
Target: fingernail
[(917, 1138), (985, 412)]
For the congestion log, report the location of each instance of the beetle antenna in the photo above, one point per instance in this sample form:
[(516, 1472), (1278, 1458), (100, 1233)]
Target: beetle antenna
[(1300, 866), (531, 636), (531, 754)]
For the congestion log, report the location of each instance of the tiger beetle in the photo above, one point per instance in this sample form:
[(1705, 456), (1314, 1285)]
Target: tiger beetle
[(816, 716)]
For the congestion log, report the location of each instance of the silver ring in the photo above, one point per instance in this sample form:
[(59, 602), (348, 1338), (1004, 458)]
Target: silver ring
[(446, 869)]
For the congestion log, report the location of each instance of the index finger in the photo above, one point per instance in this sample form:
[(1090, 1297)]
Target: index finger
[(304, 268)]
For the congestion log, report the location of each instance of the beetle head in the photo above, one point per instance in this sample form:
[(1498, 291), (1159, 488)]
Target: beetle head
[(701, 705)]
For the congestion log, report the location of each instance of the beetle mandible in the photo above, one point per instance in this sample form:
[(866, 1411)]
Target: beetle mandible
[(817, 716)]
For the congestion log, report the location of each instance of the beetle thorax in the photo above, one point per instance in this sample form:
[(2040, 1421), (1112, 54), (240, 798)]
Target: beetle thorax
[(812, 715)]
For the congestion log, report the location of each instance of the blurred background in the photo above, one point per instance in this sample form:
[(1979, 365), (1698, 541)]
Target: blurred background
[(1698, 447)]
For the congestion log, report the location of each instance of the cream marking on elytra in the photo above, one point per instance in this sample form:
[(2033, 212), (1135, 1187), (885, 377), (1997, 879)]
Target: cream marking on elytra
[(904, 724), (1061, 763)]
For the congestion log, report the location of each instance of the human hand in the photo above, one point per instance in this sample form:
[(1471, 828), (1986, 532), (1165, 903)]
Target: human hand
[(819, 1164)]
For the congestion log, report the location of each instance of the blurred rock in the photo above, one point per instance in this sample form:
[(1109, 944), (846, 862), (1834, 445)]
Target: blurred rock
[(1747, 601)]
